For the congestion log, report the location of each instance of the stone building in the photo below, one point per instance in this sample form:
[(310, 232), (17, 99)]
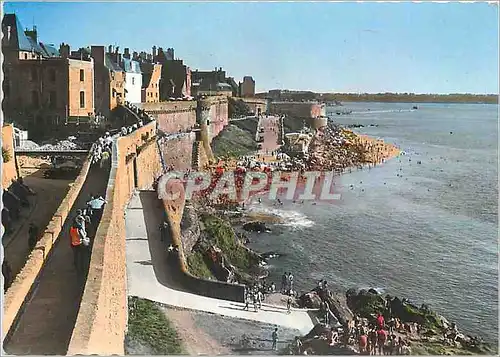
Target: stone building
[(133, 78), (151, 76), (109, 80), (247, 87), (43, 86)]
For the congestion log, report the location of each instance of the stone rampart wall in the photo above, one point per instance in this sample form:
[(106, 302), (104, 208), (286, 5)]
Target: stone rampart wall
[(298, 109), (101, 323)]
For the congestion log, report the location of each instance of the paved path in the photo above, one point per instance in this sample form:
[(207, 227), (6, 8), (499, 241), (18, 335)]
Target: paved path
[(270, 142), (48, 318), (151, 277)]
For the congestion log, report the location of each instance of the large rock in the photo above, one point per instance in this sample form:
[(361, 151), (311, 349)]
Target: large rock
[(339, 307), (255, 227), (366, 303), (310, 300)]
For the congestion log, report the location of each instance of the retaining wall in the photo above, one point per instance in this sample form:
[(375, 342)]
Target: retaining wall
[(8, 168), (16, 294), (102, 319)]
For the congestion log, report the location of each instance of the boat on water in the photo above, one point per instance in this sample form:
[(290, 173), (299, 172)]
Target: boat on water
[(414, 107)]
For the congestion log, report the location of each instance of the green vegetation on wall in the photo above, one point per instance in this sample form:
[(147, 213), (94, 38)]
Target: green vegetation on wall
[(237, 108), (223, 236), (197, 266), (5, 155), (233, 141), (148, 326)]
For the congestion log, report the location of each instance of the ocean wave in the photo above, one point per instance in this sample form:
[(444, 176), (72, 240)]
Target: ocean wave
[(293, 219)]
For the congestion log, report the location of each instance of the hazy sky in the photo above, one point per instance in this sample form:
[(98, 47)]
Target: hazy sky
[(341, 47)]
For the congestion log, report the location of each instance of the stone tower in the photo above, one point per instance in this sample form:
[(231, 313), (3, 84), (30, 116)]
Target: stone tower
[(203, 119)]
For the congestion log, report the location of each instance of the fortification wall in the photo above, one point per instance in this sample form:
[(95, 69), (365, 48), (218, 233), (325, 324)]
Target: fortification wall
[(255, 104), (178, 151), (298, 109), (102, 319), (172, 117), (8, 167), (16, 294)]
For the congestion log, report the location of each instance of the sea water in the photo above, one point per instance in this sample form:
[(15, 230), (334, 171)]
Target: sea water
[(424, 231)]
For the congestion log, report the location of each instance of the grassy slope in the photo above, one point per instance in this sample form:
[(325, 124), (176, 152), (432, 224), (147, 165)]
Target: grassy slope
[(148, 326), (233, 141)]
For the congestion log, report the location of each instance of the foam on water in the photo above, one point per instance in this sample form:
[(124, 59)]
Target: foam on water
[(293, 219)]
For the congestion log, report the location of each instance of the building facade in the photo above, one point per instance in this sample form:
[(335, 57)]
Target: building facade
[(43, 86), (133, 80), (109, 80), (151, 76)]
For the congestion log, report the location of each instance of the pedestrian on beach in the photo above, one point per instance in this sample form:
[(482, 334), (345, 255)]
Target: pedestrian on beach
[(289, 305), (290, 281), (275, 339), (284, 282)]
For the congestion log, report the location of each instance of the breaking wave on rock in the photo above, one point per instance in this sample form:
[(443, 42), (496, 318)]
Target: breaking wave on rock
[(293, 219)]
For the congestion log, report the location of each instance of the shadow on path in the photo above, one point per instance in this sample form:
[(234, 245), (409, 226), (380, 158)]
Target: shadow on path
[(166, 267), (47, 319)]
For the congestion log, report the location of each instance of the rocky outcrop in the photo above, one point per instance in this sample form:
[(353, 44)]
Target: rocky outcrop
[(336, 302), (368, 303), (190, 229), (255, 227)]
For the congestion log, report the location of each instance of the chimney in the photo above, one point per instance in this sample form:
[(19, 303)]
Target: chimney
[(32, 34), (97, 53), (135, 55), (110, 49), (154, 52), (126, 53), (64, 50)]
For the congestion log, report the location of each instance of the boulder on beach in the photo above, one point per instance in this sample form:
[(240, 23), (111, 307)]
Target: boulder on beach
[(310, 300), (255, 226)]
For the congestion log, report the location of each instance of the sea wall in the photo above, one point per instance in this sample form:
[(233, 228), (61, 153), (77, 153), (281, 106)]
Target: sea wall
[(102, 319), (298, 109), (9, 172), (16, 294)]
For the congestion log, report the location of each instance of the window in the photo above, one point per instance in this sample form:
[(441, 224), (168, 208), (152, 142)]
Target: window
[(52, 99), (133, 80), (82, 99), (82, 75), (34, 99), (52, 75), (25, 56), (156, 94)]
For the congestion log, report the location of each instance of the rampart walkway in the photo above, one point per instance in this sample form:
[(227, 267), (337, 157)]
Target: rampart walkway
[(150, 275), (45, 323)]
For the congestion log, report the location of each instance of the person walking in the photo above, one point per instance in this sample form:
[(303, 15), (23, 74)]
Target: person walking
[(289, 305), (284, 282), (290, 282), (275, 339)]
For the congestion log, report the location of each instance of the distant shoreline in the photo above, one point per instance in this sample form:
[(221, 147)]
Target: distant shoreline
[(382, 97)]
